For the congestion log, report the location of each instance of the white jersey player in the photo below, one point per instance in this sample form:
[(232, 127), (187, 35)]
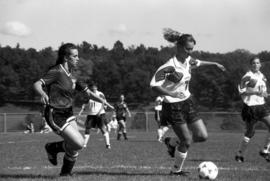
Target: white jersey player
[(253, 91), (96, 117)]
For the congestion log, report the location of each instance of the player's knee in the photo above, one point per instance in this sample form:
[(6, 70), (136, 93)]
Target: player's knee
[(78, 145), (201, 137)]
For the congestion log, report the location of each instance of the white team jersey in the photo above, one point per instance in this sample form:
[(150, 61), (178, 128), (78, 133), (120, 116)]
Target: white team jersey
[(164, 79), (96, 107), (253, 100)]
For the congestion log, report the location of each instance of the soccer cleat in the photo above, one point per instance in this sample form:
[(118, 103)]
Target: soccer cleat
[(52, 156), (108, 147), (266, 156), (180, 173), (239, 158), (171, 149)]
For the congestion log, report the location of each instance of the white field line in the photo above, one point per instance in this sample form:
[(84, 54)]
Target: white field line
[(132, 167), (13, 142)]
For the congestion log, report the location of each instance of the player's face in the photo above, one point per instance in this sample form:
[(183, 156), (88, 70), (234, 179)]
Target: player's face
[(73, 58), (189, 46), (256, 65), (122, 98), (94, 89)]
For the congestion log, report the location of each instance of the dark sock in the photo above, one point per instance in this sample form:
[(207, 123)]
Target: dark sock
[(67, 166), (57, 146), (125, 135), (118, 136)]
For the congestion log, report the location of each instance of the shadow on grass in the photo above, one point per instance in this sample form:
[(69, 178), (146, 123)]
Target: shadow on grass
[(119, 173), (26, 176)]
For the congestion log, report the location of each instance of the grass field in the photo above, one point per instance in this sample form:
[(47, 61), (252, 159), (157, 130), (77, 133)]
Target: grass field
[(140, 158)]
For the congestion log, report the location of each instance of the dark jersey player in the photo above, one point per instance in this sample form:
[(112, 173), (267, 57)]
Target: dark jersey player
[(121, 110), (61, 84)]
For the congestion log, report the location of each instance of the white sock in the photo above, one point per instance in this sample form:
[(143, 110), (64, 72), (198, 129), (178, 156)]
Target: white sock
[(179, 160), (164, 131), (174, 141), (159, 131), (86, 138), (243, 145), (107, 138), (266, 148)]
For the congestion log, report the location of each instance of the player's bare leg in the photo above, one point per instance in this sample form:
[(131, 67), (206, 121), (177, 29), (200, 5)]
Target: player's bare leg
[(183, 134), (250, 132), (73, 142), (265, 152), (86, 137)]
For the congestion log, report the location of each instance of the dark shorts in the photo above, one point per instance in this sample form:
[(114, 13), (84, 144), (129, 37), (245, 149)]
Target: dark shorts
[(94, 121), (58, 118), (179, 112), (119, 118), (161, 122), (252, 114)]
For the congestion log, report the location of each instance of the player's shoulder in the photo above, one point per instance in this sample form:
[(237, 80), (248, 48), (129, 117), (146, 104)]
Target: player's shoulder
[(192, 61)]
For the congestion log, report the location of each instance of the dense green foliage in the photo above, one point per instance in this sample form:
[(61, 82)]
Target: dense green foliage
[(127, 71)]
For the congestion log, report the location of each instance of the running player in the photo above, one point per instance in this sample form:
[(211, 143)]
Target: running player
[(96, 117), (172, 81), (162, 126), (61, 83), (121, 109), (253, 91)]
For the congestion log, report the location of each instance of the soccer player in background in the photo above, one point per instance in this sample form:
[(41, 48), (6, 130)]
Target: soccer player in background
[(253, 91), (162, 125), (61, 84), (121, 109), (96, 117), (171, 80)]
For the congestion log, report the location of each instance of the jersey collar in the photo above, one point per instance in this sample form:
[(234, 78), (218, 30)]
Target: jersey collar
[(179, 64), (68, 74)]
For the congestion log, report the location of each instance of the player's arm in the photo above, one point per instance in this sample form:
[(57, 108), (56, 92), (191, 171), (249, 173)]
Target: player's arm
[(107, 104), (81, 111), (38, 88), (204, 63), (127, 110), (50, 77), (242, 87), (158, 79)]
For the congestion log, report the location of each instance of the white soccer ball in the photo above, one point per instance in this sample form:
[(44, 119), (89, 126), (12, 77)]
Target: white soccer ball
[(208, 170)]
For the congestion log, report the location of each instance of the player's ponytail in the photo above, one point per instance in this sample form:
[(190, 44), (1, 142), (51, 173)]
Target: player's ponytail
[(176, 37)]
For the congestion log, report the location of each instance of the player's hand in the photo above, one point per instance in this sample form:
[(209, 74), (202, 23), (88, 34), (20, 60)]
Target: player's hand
[(45, 99), (264, 94), (221, 67), (177, 95)]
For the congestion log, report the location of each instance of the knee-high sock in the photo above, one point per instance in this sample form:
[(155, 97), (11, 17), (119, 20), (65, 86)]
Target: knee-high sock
[(67, 166), (243, 145), (86, 138), (107, 138), (266, 148), (179, 160)]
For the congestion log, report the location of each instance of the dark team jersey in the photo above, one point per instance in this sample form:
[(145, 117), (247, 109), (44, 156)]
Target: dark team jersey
[(120, 109), (61, 86)]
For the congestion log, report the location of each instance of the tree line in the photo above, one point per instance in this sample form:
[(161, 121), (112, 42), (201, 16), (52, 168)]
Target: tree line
[(128, 71)]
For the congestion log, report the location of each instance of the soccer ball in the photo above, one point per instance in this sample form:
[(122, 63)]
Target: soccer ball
[(208, 170)]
